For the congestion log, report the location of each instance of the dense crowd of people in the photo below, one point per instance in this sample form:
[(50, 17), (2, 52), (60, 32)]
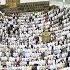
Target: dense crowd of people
[(21, 45)]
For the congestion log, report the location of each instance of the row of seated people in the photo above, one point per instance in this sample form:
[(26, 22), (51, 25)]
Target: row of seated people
[(19, 40), (59, 23), (21, 44)]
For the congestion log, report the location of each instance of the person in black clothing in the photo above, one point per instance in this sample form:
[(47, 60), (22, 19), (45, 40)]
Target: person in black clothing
[(68, 54), (37, 39), (1, 38), (27, 62), (13, 17), (65, 36), (34, 67), (52, 51), (11, 27), (67, 63), (8, 30), (31, 46), (42, 55), (30, 18), (11, 52), (58, 42)]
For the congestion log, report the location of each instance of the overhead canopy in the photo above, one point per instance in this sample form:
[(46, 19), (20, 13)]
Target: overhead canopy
[(60, 3), (27, 1)]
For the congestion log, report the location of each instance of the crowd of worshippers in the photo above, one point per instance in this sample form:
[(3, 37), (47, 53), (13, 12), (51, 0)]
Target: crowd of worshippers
[(21, 44)]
